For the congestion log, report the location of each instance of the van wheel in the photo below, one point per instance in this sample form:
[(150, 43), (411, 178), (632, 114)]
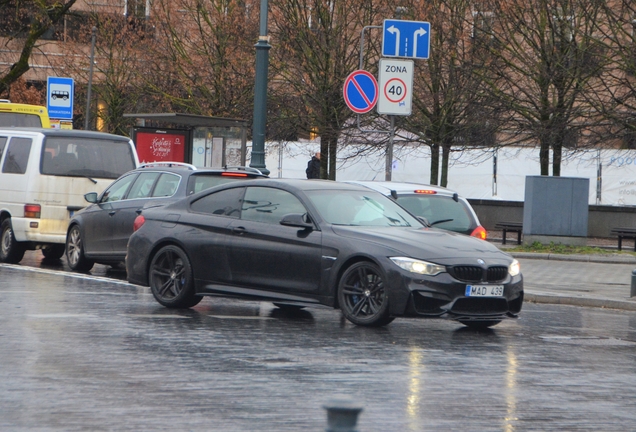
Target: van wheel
[(75, 251), (53, 252), (11, 251)]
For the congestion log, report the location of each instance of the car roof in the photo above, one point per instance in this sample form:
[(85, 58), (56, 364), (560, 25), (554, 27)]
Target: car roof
[(385, 187), (299, 184), (189, 169), (62, 133)]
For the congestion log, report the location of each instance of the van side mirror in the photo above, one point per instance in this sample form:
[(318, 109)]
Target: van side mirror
[(91, 197)]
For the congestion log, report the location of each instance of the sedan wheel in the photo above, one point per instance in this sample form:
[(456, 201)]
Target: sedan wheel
[(171, 279), (11, 251), (75, 251), (362, 295)]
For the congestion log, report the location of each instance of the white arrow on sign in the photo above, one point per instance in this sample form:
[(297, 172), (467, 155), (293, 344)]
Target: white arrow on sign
[(394, 30), (418, 33)]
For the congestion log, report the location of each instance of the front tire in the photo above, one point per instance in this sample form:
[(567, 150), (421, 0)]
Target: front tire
[(53, 252), (11, 251), (362, 295), (171, 279), (75, 257)]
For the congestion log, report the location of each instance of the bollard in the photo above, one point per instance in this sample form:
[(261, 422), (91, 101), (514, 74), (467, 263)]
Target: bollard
[(633, 291), (342, 415)]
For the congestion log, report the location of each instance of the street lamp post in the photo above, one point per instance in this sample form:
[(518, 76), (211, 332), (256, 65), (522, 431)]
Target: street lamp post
[(260, 94), (87, 115)]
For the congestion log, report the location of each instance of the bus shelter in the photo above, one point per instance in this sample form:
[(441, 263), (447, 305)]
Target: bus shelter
[(205, 142)]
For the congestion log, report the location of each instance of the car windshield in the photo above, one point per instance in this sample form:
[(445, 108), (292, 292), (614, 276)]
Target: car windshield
[(440, 211), (360, 208)]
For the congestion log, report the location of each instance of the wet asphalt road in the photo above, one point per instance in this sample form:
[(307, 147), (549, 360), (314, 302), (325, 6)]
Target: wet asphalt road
[(86, 353)]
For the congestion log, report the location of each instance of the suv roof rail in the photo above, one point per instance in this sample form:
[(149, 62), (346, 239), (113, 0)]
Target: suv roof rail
[(243, 168), (168, 164)]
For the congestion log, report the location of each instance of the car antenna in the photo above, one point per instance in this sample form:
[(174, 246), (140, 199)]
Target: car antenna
[(394, 194), (455, 197)]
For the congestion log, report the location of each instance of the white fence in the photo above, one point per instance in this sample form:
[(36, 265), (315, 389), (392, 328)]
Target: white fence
[(471, 172)]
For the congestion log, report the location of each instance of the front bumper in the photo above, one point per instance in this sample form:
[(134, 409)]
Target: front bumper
[(443, 296)]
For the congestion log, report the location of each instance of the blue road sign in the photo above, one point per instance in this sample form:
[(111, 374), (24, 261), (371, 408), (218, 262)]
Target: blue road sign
[(360, 91), (59, 97), (410, 39)]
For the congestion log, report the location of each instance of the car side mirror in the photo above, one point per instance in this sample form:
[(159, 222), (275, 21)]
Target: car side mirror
[(91, 197), (297, 220)]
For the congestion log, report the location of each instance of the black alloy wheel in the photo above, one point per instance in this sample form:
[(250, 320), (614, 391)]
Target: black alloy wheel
[(11, 251), (53, 252), (362, 295), (479, 325), (171, 279), (75, 257)]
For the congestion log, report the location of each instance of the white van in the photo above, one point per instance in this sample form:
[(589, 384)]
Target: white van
[(44, 174)]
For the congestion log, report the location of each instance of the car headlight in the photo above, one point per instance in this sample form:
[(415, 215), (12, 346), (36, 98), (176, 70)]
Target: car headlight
[(418, 266), (514, 268)]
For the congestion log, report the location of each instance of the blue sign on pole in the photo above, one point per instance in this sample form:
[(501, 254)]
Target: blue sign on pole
[(360, 91), (410, 39), (59, 97)]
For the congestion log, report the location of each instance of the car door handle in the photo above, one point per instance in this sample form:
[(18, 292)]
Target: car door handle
[(239, 230), (112, 213)]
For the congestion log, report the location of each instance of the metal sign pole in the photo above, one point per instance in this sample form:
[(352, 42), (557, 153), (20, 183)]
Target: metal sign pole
[(389, 151)]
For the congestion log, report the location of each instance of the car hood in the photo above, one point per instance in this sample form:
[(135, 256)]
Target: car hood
[(430, 244)]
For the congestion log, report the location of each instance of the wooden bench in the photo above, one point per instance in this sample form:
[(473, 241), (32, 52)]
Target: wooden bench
[(507, 227), (624, 233)]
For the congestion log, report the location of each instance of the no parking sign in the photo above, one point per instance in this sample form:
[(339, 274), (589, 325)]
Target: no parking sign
[(360, 91)]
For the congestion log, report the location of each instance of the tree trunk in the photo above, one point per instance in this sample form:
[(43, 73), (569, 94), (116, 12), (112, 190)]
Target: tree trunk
[(434, 163)]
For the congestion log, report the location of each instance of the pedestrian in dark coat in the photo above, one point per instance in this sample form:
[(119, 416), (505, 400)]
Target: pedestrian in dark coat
[(313, 167)]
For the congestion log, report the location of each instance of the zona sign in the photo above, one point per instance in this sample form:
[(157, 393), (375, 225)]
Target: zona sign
[(360, 91)]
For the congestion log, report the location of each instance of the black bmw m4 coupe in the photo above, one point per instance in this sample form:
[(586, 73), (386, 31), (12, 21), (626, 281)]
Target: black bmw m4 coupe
[(299, 243)]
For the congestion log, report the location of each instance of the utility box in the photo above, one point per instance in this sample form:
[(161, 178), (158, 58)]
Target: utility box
[(556, 210)]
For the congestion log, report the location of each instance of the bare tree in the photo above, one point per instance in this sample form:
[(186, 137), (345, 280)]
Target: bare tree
[(315, 46), (551, 61), (24, 22)]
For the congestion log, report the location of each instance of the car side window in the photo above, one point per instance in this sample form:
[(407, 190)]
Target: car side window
[(117, 190), (3, 142), (224, 203), (166, 185), (15, 162), (142, 187), (269, 205)]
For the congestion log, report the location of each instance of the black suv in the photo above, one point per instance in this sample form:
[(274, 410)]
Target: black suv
[(99, 233)]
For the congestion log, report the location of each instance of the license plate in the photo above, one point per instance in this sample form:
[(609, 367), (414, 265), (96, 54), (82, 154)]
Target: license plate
[(484, 290)]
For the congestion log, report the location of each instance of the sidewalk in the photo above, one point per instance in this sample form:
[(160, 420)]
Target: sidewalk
[(602, 280)]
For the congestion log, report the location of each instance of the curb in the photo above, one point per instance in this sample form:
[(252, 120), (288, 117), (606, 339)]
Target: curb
[(534, 297), (610, 259)]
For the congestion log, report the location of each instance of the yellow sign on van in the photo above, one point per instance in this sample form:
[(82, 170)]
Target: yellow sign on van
[(23, 115)]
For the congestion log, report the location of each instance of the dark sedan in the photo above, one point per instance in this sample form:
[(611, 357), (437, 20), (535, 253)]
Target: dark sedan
[(299, 243), (99, 233)]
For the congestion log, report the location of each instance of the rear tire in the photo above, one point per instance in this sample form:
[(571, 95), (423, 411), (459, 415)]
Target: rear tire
[(11, 251), (171, 280), (53, 252), (75, 257)]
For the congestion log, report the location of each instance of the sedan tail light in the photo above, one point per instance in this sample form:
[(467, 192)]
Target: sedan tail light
[(479, 232), (139, 221), (32, 211)]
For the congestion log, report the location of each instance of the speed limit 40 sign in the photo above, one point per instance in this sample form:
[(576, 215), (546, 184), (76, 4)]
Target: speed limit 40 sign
[(395, 86)]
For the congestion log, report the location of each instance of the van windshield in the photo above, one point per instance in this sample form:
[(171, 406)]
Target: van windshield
[(19, 120), (86, 157)]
